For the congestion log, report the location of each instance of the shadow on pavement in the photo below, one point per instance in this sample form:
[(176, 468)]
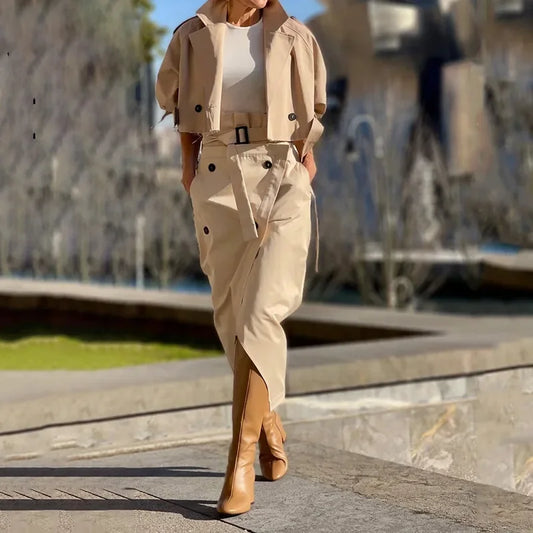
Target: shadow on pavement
[(191, 509), (103, 471)]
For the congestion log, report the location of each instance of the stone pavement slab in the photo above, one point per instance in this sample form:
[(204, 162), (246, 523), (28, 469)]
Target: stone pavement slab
[(159, 517), (325, 491)]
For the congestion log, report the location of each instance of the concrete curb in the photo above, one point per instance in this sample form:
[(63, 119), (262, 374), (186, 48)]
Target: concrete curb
[(137, 391), (427, 346)]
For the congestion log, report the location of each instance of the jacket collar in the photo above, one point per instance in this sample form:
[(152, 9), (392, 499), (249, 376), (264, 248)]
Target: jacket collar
[(209, 43), (216, 11)]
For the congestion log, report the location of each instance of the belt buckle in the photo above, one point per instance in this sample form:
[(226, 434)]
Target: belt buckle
[(238, 136)]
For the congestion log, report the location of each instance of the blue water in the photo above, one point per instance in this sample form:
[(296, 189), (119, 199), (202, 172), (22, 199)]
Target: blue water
[(499, 248), (473, 304), (462, 302)]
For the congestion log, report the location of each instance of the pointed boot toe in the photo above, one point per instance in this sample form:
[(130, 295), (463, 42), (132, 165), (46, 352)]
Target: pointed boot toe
[(227, 507), (237, 493), (274, 470)]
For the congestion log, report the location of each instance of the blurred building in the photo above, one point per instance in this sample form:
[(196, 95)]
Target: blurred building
[(431, 55), (469, 144)]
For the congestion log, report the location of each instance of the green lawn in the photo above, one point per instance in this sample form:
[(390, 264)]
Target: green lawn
[(50, 352)]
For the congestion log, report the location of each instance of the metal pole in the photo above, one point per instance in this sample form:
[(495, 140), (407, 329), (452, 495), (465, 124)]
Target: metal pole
[(139, 251)]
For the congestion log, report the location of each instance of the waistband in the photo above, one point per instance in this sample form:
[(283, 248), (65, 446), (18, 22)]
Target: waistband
[(238, 128), (244, 128)]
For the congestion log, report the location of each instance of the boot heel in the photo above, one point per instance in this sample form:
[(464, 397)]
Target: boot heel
[(283, 435), (281, 428)]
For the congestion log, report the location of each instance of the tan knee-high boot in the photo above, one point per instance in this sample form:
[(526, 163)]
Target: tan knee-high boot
[(250, 404), (272, 456)]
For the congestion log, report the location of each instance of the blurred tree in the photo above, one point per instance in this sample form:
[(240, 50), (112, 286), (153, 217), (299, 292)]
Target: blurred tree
[(77, 155), (150, 33)]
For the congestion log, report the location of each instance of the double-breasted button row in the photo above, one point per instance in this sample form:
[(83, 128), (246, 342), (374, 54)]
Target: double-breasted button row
[(212, 167), (198, 108), (206, 229)]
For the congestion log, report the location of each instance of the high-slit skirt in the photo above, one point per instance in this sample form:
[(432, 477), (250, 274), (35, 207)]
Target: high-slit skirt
[(251, 208)]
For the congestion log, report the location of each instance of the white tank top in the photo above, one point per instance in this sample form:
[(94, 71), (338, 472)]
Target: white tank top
[(243, 86)]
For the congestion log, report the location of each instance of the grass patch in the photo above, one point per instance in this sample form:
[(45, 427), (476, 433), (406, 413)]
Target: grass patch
[(54, 352)]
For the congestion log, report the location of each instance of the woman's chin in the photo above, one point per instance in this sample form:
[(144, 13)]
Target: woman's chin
[(259, 4)]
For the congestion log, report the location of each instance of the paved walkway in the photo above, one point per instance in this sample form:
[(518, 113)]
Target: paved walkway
[(176, 490)]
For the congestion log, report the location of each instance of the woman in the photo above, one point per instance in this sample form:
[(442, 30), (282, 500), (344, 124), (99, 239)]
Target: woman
[(246, 85)]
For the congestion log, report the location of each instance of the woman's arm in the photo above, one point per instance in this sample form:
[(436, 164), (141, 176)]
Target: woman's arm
[(318, 67), (166, 92), (190, 147)]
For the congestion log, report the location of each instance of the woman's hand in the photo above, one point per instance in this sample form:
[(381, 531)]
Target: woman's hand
[(187, 176), (308, 160), (309, 163), (190, 146)]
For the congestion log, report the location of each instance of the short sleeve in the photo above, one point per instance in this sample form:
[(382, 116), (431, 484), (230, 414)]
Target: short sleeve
[(320, 80), (167, 81)]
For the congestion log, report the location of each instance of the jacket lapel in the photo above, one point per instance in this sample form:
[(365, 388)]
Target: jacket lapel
[(208, 44), (278, 46)]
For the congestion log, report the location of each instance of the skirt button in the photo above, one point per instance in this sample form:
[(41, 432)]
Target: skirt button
[(212, 167), (198, 108), (206, 230)]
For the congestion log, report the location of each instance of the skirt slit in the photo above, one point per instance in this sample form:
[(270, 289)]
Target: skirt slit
[(255, 282)]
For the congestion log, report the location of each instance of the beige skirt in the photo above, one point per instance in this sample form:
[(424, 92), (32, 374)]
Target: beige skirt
[(251, 207)]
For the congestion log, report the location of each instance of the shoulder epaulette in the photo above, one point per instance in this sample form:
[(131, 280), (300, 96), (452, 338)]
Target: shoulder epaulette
[(180, 25), (298, 21)]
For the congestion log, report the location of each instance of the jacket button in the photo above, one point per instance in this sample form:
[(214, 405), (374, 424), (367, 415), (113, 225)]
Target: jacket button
[(211, 167), (206, 230), (292, 116), (198, 108), (267, 164)]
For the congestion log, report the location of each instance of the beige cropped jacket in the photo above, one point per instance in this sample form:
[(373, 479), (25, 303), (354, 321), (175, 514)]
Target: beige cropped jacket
[(189, 81)]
